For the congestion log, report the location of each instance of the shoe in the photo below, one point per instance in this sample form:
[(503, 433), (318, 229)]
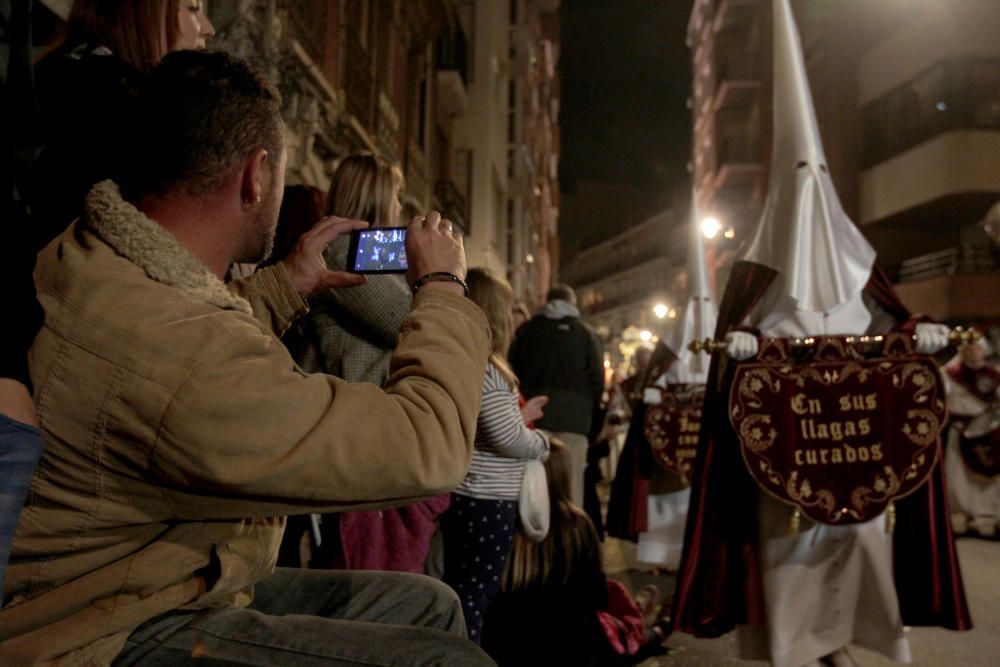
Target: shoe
[(840, 658), (985, 526)]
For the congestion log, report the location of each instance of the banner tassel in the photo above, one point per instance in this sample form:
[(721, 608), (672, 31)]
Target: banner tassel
[(890, 518)]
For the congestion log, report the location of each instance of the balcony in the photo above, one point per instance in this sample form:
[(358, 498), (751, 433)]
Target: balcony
[(359, 84), (739, 163), (949, 284), (737, 80), (453, 204)]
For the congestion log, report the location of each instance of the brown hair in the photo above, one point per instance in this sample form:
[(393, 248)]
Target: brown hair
[(494, 295), (363, 187), (571, 540), (203, 113), (301, 208), (139, 32)]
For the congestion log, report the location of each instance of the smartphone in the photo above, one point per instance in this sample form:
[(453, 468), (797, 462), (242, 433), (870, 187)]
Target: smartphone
[(379, 250)]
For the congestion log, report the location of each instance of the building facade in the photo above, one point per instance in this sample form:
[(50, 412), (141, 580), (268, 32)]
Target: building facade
[(907, 97), (463, 94), (621, 281)]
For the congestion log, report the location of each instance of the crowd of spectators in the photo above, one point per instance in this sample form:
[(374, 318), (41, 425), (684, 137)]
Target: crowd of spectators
[(169, 433)]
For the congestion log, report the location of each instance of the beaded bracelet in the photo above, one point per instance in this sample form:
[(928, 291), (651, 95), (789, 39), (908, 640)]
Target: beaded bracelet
[(440, 276)]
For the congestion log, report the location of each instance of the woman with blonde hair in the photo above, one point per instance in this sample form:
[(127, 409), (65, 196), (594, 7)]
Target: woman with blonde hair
[(351, 333), (478, 528)]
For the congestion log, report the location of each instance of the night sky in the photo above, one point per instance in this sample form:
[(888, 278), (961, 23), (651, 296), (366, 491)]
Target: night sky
[(626, 77)]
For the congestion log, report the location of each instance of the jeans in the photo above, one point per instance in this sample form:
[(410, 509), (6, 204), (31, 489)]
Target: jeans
[(20, 449), (316, 617)]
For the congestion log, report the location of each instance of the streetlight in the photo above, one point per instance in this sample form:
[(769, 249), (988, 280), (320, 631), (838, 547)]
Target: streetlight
[(730, 233), (710, 227), (660, 310), (645, 335)]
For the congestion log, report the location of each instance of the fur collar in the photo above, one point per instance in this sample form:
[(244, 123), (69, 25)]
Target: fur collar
[(154, 249)]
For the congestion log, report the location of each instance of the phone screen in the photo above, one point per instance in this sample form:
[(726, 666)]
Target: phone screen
[(381, 250)]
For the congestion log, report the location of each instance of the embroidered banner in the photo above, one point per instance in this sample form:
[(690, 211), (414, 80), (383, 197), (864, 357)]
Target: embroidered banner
[(672, 427), (833, 431)]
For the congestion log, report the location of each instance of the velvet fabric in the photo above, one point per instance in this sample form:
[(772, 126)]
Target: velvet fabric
[(627, 507), (719, 584)]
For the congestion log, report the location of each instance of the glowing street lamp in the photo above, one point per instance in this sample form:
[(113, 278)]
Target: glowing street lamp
[(729, 233), (660, 310), (710, 227), (645, 335)]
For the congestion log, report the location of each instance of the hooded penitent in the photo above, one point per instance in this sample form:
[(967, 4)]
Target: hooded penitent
[(808, 250), (697, 320), (804, 234)]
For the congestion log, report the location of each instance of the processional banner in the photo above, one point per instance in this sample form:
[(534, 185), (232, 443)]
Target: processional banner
[(839, 426), (672, 426)]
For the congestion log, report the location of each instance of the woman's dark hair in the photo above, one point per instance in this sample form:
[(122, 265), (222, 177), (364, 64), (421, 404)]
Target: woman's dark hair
[(301, 208)]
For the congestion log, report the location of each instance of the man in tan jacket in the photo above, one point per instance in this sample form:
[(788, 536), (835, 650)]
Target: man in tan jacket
[(178, 430)]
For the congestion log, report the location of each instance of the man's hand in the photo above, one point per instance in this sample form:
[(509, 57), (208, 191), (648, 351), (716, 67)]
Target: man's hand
[(532, 408), (740, 345), (931, 338), (306, 264), (432, 245)]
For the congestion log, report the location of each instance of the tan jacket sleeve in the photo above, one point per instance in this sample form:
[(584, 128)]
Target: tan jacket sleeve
[(247, 435), (272, 297)]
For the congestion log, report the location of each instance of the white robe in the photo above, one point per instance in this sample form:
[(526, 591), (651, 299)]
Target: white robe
[(663, 542), (969, 493), (826, 586)]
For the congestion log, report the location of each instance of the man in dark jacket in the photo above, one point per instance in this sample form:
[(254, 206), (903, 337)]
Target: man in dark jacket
[(557, 355)]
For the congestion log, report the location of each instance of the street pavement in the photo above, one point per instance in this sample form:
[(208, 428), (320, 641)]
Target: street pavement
[(931, 647)]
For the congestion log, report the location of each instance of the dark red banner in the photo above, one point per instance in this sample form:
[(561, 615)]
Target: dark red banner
[(838, 426), (672, 427)]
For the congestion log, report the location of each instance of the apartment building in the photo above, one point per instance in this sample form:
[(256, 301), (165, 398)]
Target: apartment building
[(907, 97), (463, 94)]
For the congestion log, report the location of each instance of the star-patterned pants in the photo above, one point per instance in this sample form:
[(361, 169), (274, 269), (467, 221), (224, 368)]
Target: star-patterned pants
[(478, 534)]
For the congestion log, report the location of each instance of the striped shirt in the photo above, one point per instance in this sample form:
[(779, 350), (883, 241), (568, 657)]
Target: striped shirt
[(503, 443)]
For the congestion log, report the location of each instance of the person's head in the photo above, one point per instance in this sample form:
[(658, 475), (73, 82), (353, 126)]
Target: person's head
[(140, 32), (494, 295), (642, 355), (974, 354), (212, 127), (561, 292), (366, 187), (301, 208)]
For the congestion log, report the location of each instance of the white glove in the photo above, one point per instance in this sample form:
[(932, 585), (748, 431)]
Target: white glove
[(931, 338), (740, 345), (651, 396)]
